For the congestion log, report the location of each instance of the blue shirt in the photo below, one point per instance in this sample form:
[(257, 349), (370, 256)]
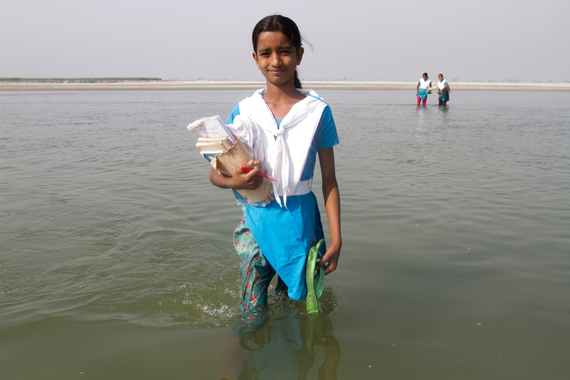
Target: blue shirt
[(285, 235)]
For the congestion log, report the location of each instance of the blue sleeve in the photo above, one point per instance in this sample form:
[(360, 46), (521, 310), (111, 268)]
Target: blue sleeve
[(326, 135), (233, 114)]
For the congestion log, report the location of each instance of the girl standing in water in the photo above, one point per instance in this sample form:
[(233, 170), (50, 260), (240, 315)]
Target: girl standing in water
[(423, 88), (292, 127), (443, 90)]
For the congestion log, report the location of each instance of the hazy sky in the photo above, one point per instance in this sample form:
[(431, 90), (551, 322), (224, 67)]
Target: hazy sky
[(494, 40)]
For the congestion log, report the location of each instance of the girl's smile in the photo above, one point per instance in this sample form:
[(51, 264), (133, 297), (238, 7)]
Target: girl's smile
[(277, 58)]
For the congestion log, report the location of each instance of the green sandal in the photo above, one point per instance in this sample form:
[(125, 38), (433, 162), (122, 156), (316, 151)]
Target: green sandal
[(315, 282)]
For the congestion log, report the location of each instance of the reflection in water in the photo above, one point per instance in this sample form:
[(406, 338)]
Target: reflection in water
[(420, 121), (283, 348), (426, 117), (441, 115)]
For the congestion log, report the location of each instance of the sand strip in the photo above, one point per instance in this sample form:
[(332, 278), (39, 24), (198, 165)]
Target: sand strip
[(252, 85)]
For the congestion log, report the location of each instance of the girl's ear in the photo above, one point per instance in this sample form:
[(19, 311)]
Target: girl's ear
[(300, 52), (255, 59)]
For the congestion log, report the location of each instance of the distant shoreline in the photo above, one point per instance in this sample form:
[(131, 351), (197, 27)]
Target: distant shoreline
[(252, 85)]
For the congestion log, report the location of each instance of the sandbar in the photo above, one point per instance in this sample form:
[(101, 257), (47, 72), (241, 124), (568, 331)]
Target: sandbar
[(252, 85)]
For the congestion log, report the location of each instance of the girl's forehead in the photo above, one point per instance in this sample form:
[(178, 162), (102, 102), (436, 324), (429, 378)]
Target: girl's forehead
[(273, 38)]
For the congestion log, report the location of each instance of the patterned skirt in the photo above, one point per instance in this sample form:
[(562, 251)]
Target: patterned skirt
[(256, 274)]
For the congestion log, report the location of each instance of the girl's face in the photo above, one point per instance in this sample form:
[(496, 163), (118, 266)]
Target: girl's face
[(277, 58), (440, 77)]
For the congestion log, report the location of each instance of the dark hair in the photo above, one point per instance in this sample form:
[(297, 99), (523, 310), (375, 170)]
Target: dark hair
[(425, 75), (278, 23), (441, 75)]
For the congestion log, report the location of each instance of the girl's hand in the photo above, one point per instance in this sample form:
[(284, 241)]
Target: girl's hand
[(247, 180), (330, 257)]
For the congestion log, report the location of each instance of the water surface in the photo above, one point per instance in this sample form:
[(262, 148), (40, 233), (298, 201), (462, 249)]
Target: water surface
[(115, 249)]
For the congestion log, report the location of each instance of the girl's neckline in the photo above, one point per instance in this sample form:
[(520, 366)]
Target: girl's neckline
[(305, 96)]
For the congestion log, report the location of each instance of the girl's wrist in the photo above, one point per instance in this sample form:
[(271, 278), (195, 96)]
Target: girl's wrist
[(231, 183), (335, 244)]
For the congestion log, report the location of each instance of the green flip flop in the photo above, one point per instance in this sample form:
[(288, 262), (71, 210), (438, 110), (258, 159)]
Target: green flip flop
[(315, 282)]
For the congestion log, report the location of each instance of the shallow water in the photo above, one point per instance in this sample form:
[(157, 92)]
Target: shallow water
[(115, 249)]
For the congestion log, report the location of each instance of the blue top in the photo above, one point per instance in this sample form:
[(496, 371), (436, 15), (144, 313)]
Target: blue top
[(285, 235), (422, 93), (444, 96)]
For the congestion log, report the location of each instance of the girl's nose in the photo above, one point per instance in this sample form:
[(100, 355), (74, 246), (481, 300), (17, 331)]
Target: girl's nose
[(275, 59)]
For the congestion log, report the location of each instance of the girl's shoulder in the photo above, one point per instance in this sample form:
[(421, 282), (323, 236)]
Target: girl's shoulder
[(326, 134), (235, 112)]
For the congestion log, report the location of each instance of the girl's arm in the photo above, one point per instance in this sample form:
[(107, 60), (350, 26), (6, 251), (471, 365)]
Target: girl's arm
[(332, 205), (240, 179)]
